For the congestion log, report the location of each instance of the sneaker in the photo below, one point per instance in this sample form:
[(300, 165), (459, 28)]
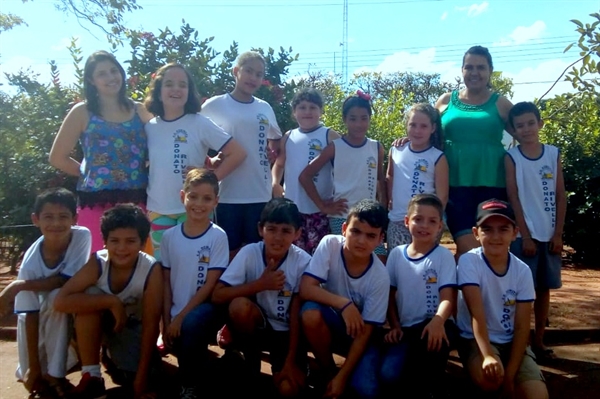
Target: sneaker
[(89, 388), (224, 337), (188, 393)]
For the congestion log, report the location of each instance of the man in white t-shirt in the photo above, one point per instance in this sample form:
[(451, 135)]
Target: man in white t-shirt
[(494, 308), (346, 288), (261, 286), (55, 257)]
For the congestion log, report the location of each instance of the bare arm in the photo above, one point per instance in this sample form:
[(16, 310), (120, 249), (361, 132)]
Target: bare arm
[(381, 181), (504, 106), (561, 210), (520, 339), (152, 308), (204, 293), (474, 301), (279, 168), (233, 154), (389, 180), (8, 294), (442, 185), (32, 332), (273, 146), (66, 139), (311, 290), (167, 299), (271, 279), (306, 177), (442, 103), (142, 112)]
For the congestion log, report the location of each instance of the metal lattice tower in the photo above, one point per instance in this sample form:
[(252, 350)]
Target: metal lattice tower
[(345, 45)]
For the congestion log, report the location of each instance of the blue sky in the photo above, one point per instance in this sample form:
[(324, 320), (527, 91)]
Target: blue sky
[(526, 37)]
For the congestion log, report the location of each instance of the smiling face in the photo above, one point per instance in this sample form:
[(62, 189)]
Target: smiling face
[(278, 237), (419, 129), (123, 245), (54, 221), (357, 122), (199, 201), (424, 223), (307, 114), (361, 237), (106, 78), (249, 76), (476, 71), (495, 235), (527, 128), (174, 92)]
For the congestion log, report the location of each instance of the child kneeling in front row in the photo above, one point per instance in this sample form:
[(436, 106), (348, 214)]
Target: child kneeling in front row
[(117, 301), (261, 286), (494, 309), (346, 288), (43, 334), (422, 299)]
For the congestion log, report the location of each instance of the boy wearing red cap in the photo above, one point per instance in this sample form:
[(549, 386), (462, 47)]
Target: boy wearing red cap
[(494, 308)]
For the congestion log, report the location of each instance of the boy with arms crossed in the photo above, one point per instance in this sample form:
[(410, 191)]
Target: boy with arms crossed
[(346, 288), (43, 334), (422, 299), (494, 309), (261, 286), (194, 255), (536, 191), (117, 300)]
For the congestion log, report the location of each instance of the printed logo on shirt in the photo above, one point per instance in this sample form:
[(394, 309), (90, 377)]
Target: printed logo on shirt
[(315, 145), (546, 173), (180, 136), (283, 303), (263, 127), (430, 276), (431, 291), (509, 300), (372, 163), (421, 165), (203, 261)]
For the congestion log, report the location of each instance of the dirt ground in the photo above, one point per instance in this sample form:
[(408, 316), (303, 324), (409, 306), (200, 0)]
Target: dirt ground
[(574, 333)]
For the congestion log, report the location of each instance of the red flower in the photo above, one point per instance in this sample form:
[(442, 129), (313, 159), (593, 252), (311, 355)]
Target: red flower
[(265, 82)]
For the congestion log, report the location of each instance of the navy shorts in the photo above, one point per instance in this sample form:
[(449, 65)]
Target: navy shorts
[(461, 211), (545, 266), (240, 222)]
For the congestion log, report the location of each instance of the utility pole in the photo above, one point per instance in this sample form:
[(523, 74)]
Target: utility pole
[(344, 45)]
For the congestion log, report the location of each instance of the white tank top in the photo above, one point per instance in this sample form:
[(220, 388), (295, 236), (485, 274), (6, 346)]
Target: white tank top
[(133, 293), (355, 171), (300, 149), (414, 173), (536, 182)]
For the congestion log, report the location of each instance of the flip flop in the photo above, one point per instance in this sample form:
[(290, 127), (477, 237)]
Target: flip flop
[(543, 354)]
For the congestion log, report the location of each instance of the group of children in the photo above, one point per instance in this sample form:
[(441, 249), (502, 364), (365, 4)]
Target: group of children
[(304, 273)]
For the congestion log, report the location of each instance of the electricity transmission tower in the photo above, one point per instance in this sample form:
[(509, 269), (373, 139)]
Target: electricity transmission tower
[(344, 45)]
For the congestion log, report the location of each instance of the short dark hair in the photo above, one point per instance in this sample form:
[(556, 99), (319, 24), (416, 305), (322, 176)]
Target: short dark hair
[(198, 176), (308, 94), (371, 212), (522, 108), (153, 102), (482, 52), (425, 199), (124, 216), (281, 211), (355, 101), (55, 195)]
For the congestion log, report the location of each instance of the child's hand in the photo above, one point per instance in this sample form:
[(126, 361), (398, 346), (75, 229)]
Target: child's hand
[(355, 324), (174, 328), (556, 244), (33, 380), (401, 142), (277, 190), (336, 387), (529, 247), (272, 279), (290, 379), (436, 334), (272, 155), (7, 297), (337, 207), (493, 369), (118, 312), (393, 336)]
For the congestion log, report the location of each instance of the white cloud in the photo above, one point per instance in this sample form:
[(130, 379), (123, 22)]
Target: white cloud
[(444, 16), (523, 34), (63, 44), (474, 9), (526, 88)]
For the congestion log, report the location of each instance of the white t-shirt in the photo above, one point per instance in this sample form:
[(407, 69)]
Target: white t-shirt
[(536, 182), (300, 149), (500, 294), (190, 258), (369, 292), (419, 281), (251, 124), (414, 173), (172, 147), (133, 294), (355, 171), (250, 263), (34, 268)]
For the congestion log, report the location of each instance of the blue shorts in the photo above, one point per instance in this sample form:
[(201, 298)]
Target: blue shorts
[(240, 222), (545, 266), (461, 210)]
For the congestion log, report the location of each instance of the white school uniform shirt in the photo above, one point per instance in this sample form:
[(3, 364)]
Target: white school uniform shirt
[(172, 147), (250, 263), (369, 291), (34, 268), (251, 124), (355, 171), (133, 294), (414, 173), (536, 182), (190, 258), (300, 149), (500, 294), (419, 281)]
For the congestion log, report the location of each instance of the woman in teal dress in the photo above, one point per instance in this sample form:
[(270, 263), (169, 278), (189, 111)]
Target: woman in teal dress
[(473, 122)]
